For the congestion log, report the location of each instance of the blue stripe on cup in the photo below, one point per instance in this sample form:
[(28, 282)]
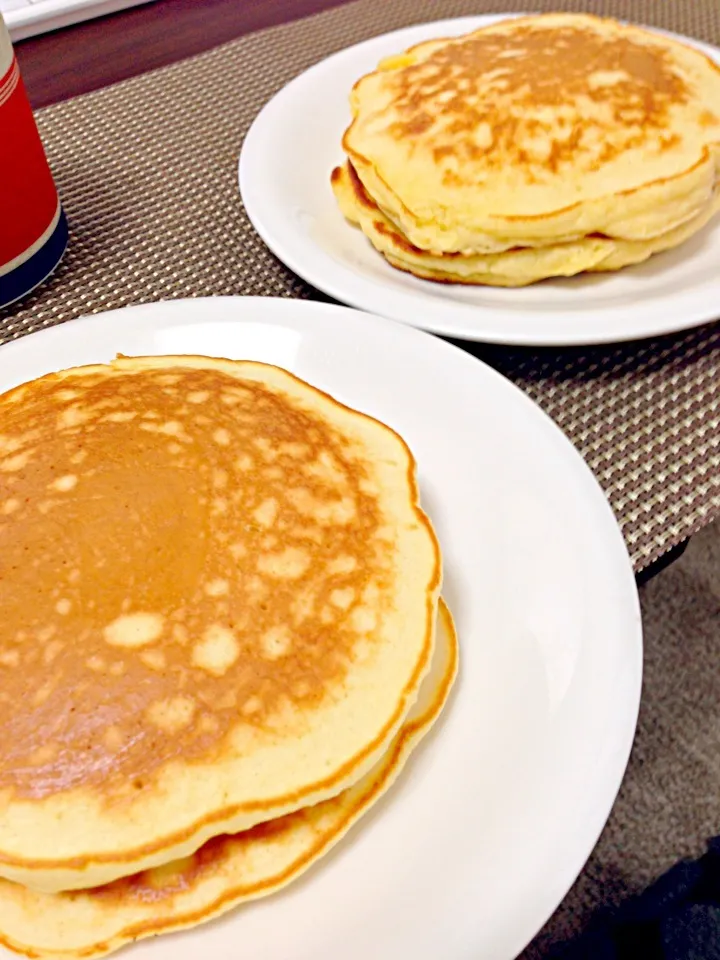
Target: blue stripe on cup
[(24, 278)]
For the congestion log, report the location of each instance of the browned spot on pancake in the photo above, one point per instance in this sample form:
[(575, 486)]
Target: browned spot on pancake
[(160, 621), (166, 882), (360, 192), (495, 99), (669, 141), (440, 153), (381, 226), (425, 274), (398, 239)]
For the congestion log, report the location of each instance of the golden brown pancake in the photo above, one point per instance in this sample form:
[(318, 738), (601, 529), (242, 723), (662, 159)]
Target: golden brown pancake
[(512, 268), (218, 605), (227, 870), (538, 131)]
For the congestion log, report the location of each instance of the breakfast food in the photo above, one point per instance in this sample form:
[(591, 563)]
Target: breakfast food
[(515, 267), (219, 604), (535, 147), (226, 870)]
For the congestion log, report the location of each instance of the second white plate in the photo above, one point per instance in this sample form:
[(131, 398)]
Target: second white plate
[(285, 170)]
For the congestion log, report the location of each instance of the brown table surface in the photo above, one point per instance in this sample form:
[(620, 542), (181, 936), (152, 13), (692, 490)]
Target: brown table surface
[(65, 63)]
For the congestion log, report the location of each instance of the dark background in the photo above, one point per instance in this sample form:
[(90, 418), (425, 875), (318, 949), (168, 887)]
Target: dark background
[(81, 58)]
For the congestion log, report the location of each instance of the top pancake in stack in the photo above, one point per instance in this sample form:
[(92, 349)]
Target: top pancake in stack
[(219, 601), (538, 146)]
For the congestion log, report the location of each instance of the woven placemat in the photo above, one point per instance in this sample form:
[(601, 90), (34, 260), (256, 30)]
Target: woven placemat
[(147, 173)]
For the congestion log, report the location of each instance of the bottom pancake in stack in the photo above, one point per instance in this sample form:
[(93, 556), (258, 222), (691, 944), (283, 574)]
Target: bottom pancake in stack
[(227, 870), (516, 267), (219, 641)]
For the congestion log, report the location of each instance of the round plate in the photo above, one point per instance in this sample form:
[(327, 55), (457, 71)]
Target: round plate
[(285, 170), (479, 840)]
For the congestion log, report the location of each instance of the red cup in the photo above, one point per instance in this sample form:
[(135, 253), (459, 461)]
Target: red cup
[(33, 228)]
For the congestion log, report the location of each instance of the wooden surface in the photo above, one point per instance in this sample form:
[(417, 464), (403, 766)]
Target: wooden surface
[(87, 56)]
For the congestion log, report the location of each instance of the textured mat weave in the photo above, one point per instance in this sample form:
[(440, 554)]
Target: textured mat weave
[(147, 172)]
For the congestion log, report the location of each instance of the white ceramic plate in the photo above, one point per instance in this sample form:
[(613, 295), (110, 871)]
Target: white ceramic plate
[(285, 168), (485, 831)]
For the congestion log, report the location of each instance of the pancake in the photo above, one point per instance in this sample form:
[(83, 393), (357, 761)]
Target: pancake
[(514, 268), (225, 871), (219, 599), (538, 130)]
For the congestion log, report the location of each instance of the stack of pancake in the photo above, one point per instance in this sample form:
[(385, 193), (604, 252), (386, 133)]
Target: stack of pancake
[(536, 147), (220, 638)]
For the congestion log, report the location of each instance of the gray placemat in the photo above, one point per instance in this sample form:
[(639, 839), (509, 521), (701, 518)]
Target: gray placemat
[(147, 173)]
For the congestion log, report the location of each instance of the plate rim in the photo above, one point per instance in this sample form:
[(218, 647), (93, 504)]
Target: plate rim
[(257, 304), (357, 290)]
